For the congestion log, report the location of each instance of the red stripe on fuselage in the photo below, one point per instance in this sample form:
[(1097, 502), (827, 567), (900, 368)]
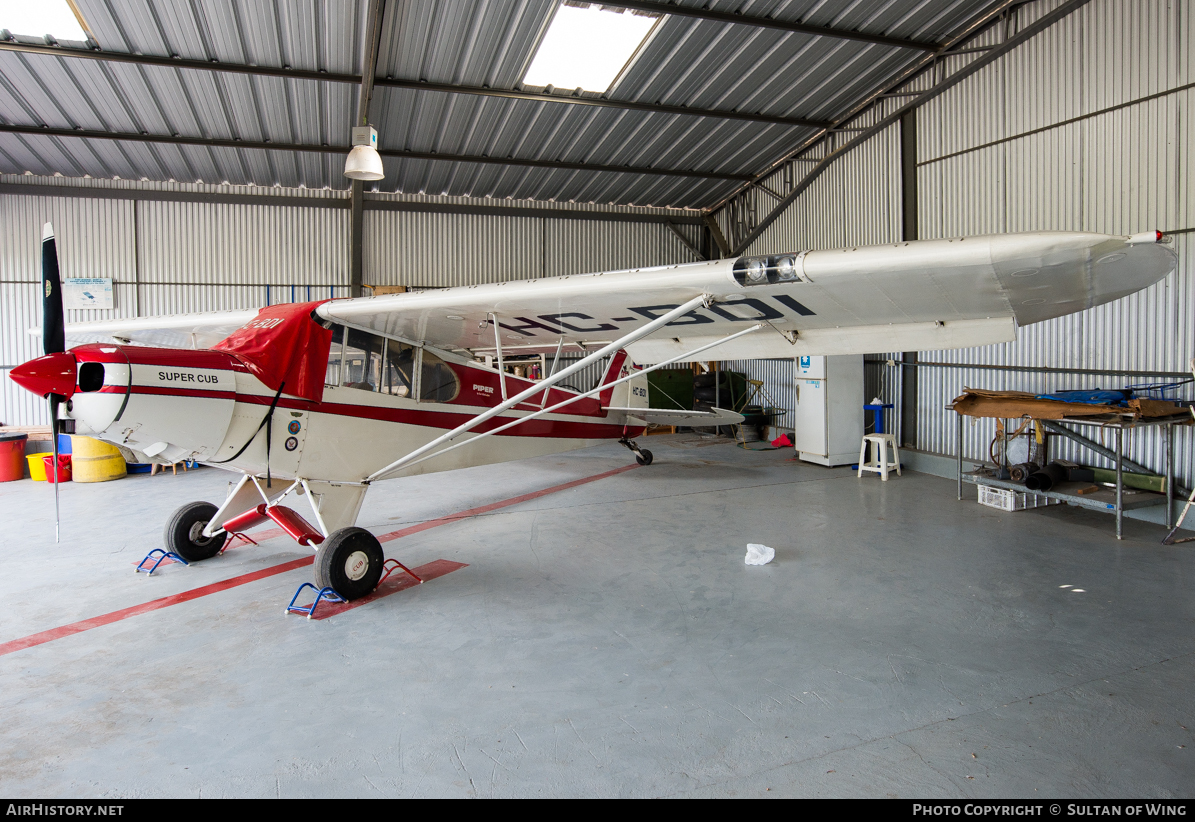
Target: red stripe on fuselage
[(580, 427), (182, 392)]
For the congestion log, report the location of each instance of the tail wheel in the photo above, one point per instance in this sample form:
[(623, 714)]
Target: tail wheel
[(349, 562), (643, 457), (184, 533)]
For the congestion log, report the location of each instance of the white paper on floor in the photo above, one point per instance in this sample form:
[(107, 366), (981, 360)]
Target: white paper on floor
[(759, 554)]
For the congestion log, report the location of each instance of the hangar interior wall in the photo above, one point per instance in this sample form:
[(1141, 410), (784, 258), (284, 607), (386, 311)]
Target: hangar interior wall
[(1087, 127), (171, 256)]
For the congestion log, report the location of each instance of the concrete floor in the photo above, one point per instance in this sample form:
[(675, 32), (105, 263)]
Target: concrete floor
[(609, 641)]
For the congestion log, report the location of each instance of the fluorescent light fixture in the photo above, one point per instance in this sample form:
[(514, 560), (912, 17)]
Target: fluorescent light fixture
[(587, 46), (41, 17)]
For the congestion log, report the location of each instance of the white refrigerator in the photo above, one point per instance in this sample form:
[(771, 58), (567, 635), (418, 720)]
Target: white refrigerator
[(828, 428)]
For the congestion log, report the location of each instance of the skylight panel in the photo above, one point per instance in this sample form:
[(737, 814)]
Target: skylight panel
[(41, 17), (587, 46)]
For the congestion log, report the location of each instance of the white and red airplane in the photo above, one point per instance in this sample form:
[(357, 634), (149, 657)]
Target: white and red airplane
[(315, 401)]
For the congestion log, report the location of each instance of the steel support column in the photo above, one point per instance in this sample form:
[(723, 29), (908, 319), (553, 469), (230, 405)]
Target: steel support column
[(909, 231), (373, 33)]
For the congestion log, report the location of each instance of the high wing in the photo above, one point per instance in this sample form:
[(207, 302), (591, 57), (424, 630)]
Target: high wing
[(910, 296), (174, 331), (913, 296)]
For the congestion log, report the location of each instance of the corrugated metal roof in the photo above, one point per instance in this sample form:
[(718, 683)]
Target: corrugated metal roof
[(690, 62)]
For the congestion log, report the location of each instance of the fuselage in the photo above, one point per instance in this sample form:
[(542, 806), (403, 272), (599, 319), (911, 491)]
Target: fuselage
[(171, 405)]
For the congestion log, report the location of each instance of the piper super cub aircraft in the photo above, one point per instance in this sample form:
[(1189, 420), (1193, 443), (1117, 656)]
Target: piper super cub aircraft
[(315, 401)]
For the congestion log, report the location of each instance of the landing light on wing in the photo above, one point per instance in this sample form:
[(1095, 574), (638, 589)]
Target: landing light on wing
[(782, 268)]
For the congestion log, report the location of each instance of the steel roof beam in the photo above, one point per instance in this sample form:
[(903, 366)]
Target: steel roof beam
[(385, 82), (373, 202), (770, 23), (948, 82), (344, 150)]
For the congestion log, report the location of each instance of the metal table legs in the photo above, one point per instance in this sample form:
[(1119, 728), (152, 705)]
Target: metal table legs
[(958, 457), (1119, 481), (1169, 433)]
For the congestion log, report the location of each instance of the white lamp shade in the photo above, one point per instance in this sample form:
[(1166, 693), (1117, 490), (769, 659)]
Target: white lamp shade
[(364, 163)]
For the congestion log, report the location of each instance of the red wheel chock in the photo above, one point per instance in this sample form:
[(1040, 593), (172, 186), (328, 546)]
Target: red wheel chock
[(390, 569)]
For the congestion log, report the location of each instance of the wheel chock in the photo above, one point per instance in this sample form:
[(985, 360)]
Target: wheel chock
[(241, 537), (386, 587), (390, 569), (321, 595), (165, 555)]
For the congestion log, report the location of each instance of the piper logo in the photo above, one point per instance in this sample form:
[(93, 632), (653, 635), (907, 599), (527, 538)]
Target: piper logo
[(483, 389)]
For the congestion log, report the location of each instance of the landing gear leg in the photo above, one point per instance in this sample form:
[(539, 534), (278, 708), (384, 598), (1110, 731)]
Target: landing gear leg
[(642, 455)]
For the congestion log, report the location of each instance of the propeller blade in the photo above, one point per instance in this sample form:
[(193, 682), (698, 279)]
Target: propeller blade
[(53, 324), (54, 401)]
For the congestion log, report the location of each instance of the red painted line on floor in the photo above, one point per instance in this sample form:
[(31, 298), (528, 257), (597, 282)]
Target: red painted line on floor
[(175, 599), (398, 581), (146, 607)]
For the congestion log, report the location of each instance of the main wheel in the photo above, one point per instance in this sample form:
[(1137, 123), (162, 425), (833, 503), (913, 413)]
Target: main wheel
[(643, 457), (184, 532), (349, 562)]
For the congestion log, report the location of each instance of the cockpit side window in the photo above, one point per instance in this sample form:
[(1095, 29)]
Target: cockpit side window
[(439, 382), (399, 369), (362, 360), (335, 355)]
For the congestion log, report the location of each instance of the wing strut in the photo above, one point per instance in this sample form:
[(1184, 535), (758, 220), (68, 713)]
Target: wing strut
[(590, 393), (498, 345), (544, 385), (555, 361)]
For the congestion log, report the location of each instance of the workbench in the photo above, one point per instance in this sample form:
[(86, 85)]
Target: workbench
[(1116, 500)]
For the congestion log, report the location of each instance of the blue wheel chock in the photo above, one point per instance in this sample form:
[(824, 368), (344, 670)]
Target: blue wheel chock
[(321, 595), (164, 556)]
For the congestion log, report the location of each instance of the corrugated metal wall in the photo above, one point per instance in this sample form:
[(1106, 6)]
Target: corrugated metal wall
[(998, 154), (1026, 144), (436, 250), (856, 201), (170, 257)]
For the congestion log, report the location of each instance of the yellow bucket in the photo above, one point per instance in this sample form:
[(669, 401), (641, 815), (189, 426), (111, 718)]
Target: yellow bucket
[(94, 460), (37, 467)]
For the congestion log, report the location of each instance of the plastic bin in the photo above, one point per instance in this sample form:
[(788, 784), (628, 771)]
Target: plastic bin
[(95, 460), (1007, 500), (12, 449)]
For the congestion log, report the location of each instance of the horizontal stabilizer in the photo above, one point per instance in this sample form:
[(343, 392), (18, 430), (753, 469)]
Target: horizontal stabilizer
[(678, 416)]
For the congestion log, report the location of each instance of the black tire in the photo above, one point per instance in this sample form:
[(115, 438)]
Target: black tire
[(643, 457), (184, 532), (349, 562)]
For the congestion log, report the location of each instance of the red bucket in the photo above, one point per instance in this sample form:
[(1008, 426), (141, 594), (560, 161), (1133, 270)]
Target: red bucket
[(63, 474)]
